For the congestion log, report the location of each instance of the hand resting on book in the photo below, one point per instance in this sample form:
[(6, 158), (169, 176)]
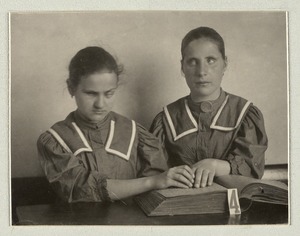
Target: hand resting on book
[(180, 176), (206, 169)]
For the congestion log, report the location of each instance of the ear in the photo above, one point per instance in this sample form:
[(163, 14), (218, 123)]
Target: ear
[(182, 72), (226, 63), (70, 88)]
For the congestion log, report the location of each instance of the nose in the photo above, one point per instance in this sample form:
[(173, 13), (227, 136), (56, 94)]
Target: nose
[(201, 68), (99, 102)]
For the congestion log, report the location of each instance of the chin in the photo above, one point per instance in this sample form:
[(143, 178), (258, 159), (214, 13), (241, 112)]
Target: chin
[(203, 93), (93, 119), (98, 118)]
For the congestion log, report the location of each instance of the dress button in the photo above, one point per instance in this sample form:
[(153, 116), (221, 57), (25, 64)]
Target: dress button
[(206, 106)]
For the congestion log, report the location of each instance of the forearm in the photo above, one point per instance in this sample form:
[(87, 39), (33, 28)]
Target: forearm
[(180, 176), (119, 189)]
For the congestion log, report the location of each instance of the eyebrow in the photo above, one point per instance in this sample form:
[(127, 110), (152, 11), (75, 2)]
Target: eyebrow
[(93, 91), (113, 89), (196, 58), (89, 90)]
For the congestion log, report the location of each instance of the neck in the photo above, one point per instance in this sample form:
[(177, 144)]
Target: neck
[(211, 97)]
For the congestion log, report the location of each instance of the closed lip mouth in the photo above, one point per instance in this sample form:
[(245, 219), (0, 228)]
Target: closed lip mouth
[(202, 82), (99, 112)]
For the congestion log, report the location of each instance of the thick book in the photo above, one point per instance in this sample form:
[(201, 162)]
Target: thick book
[(212, 199)]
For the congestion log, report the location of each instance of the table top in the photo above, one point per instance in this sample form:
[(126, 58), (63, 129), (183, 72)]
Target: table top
[(126, 212)]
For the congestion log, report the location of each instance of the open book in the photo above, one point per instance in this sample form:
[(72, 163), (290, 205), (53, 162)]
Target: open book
[(212, 199)]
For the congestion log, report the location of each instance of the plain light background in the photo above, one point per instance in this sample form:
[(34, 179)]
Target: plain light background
[(147, 44)]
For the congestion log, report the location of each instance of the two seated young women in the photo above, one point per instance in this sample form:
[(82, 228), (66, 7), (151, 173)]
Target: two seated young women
[(96, 154)]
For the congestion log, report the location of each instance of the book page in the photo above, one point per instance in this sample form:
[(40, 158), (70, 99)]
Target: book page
[(239, 182)]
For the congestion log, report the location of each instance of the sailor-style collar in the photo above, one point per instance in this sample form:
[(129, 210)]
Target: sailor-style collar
[(228, 116), (119, 141)]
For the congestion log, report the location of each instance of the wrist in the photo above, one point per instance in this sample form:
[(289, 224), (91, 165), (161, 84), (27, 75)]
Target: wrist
[(223, 168), (150, 183)]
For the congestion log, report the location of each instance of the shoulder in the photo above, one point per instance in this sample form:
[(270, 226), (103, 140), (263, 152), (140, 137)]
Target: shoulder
[(236, 100), (118, 117), (46, 141), (158, 121), (44, 138), (66, 123), (253, 109), (177, 103), (124, 122), (125, 126), (236, 105), (158, 118), (253, 114), (121, 121), (47, 137)]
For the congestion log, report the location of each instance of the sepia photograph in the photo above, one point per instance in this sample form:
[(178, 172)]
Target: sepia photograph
[(149, 118)]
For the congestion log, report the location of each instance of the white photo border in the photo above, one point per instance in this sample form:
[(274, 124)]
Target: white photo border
[(293, 9)]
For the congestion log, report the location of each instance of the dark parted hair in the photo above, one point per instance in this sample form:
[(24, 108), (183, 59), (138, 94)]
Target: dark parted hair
[(203, 32), (90, 60)]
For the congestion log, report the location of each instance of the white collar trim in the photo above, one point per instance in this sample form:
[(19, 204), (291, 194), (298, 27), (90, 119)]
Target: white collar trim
[(110, 138), (87, 147), (171, 124), (213, 124), (60, 140)]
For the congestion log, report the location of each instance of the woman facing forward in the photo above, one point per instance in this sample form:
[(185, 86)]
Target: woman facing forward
[(214, 132), (96, 154)]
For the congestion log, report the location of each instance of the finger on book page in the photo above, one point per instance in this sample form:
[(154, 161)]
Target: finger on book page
[(178, 184), (210, 180), (191, 172), (182, 179), (204, 178), (186, 172), (198, 175)]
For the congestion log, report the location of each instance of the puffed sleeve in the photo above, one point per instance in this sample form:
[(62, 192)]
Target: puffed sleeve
[(247, 153), (68, 174), (150, 153), (157, 129)]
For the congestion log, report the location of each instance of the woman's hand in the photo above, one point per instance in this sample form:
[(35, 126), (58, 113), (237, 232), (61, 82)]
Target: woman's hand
[(206, 169), (179, 176)]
